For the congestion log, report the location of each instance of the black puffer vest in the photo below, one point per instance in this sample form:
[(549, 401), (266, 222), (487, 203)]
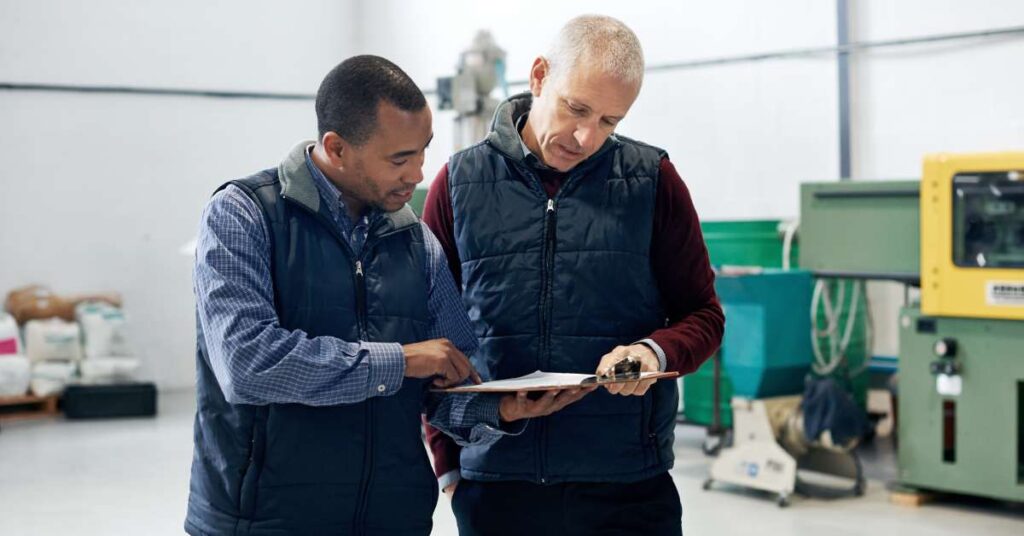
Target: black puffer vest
[(295, 469), (554, 284)]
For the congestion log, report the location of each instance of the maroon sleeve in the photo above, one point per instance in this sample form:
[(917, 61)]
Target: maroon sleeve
[(437, 214), (686, 282), (443, 448)]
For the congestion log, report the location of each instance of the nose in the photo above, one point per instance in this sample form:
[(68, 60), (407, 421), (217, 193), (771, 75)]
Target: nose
[(585, 136), (415, 176)]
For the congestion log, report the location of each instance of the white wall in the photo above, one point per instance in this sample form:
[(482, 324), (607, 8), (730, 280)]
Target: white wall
[(99, 192), (957, 97), (743, 136), (910, 101), (258, 45)]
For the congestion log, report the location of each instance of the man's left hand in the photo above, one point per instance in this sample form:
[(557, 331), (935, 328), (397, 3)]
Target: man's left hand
[(648, 363)]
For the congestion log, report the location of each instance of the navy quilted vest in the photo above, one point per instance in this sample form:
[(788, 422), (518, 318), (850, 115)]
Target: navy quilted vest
[(295, 469), (554, 284)]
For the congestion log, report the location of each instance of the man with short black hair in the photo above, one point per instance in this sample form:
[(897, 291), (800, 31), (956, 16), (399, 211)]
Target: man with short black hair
[(325, 311), (575, 247)]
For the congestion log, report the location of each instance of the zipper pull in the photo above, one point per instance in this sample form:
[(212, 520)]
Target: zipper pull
[(359, 268), (551, 205)]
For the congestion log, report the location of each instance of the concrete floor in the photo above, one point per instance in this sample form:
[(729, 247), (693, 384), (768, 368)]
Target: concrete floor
[(131, 477)]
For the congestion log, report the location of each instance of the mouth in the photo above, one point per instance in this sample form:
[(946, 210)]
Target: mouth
[(570, 154), (402, 195)]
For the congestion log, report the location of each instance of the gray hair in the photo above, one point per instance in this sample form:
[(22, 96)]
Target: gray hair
[(600, 42)]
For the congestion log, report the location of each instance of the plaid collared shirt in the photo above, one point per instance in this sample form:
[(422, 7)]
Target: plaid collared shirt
[(256, 361)]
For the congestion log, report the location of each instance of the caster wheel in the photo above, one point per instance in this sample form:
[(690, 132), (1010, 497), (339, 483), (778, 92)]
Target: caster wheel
[(711, 447), (782, 501), (707, 484)]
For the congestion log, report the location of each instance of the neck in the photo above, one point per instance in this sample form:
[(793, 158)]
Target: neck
[(530, 139), (353, 207)]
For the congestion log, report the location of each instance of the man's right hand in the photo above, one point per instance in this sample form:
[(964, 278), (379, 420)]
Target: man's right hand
[(438, 357), (520, 406)]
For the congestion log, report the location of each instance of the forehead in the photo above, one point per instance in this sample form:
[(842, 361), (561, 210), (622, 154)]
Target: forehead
[(399, 130), (603, 92)]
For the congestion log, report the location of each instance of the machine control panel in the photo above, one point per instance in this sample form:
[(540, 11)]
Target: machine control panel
[(945, 347), (972, 236)]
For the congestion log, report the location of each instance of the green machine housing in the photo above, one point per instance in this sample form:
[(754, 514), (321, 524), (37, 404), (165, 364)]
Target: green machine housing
[(867, 230), (971, 443), (968, 439)]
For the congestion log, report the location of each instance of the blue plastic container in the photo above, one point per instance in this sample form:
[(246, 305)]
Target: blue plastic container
[(766, 350)]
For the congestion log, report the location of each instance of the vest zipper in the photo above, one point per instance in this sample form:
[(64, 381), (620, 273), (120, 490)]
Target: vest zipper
[(364, 488), (547, 275), (359, 519), (360, 299)]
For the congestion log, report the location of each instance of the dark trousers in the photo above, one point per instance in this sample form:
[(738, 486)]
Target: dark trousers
[(650, 507)]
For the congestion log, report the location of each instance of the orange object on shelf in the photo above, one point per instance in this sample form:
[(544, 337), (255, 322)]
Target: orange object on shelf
[(36, 302)]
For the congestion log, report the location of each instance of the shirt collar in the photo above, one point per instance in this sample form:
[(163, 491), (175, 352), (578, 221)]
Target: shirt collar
[(331, 194), (531, 158)]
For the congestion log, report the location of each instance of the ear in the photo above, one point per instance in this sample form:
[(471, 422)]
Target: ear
[(336, 149), (538, 74)]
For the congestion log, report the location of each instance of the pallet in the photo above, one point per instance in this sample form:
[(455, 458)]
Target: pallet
[(13, 408), (909, 497)]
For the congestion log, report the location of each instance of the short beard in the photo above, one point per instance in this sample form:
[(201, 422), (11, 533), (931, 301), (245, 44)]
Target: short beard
[(374, 191)]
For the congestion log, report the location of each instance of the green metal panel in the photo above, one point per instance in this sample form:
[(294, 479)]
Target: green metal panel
[(745, 243), (867, 228), (989, 454), (419, 195)]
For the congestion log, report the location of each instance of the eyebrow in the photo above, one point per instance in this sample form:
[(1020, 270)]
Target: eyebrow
[(403, 154), (588, 108)]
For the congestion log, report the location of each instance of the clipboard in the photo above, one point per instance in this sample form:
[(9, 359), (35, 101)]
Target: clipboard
[(550, 381)]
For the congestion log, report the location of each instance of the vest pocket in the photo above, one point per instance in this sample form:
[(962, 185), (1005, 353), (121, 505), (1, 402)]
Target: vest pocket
[(648, 436), (253, 465), (312, 446)]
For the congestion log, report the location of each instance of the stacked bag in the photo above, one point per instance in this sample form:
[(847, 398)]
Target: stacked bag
[(108, 358), (15, 369), (54, 347), (66, 338)]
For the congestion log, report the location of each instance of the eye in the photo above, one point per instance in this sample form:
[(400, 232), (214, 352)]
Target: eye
[(609, 122), (398, 163), (576, 110)]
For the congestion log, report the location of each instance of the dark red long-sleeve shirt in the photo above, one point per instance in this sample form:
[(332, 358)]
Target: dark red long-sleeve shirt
[(679, 260)]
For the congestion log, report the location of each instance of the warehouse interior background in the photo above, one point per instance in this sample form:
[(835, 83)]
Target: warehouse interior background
[(102, 189)]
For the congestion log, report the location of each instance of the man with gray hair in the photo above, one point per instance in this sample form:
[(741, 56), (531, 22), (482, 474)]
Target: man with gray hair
[(575, 248)]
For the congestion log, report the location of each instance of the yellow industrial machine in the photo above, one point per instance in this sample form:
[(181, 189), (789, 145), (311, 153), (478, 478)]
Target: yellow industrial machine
[(972, 236), (961, 364), (958, 233)]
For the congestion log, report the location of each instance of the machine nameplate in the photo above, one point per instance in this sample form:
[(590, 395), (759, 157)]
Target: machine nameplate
[(1005, 293)]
